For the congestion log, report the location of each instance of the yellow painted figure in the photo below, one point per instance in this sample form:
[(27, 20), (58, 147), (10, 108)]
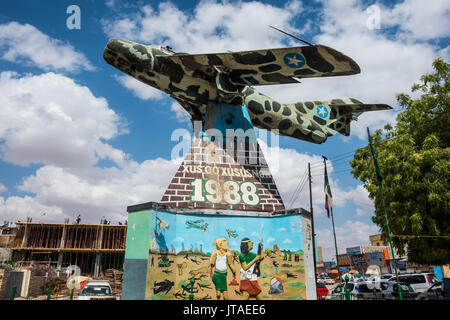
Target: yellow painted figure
[(221, 260)]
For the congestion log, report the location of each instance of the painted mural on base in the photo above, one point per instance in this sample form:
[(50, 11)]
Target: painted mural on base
[(225, 257)]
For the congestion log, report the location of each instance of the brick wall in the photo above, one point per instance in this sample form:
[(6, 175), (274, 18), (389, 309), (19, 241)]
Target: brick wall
[(245, 162)]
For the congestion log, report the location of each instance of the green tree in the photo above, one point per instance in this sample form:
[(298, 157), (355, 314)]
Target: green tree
[(414, 157)]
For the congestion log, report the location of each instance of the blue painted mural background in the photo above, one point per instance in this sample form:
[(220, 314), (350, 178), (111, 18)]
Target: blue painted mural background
[(184, 232)]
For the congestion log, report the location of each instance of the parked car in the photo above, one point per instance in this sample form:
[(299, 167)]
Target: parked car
[(367, 291), (329, 281), (386, 276), (389, 291), (418, 281), (378, 277), (358, 291), (338, 293), (97, 290), (322, 291), (435, 292)]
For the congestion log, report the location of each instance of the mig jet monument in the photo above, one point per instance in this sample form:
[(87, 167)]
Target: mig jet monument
[(224, 186)]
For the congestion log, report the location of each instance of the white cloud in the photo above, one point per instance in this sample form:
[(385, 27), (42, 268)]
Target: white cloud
[(3, 188), (391, 60), (110, 3), (16, 208), (92, 192), (390, 63), (138, 88), (212, 27), (49, 119), (24, 43), (349, 234), (181, 115), (419, 19), (293, 183)]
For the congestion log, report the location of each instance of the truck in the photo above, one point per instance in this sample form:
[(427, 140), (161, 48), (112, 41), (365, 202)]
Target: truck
[(97, 290)]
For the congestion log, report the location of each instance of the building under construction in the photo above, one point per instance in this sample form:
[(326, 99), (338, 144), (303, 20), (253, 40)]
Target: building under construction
[(94, 248)]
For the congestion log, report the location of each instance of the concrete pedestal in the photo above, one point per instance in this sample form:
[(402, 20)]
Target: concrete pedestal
[(223, 191)]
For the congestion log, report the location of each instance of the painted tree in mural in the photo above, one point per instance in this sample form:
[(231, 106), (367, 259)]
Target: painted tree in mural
[(414, 157)]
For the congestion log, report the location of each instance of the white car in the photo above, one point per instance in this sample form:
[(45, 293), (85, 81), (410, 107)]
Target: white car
[(338, 293), (418, 281), (97, 290), (329, 281), (358, 291)]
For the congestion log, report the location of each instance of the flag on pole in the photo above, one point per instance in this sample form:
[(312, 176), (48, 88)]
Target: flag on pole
[(327, 189), (375, 160)]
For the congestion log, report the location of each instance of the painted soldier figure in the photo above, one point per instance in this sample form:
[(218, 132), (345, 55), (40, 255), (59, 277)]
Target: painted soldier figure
[(249, 286)]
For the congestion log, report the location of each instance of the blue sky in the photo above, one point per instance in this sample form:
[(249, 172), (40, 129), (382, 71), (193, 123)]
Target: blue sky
[(79, 137), (285, 232)]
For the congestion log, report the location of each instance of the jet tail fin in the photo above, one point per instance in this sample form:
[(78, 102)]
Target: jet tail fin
[(348, 112)]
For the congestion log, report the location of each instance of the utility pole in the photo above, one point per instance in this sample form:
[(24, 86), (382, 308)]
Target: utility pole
[(312, 223)]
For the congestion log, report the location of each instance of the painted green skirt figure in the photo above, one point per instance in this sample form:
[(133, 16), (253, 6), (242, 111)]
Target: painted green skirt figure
[(250, 261), (221, 260)]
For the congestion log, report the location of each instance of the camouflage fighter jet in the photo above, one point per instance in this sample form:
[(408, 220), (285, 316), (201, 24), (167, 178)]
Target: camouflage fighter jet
[(195, 80)]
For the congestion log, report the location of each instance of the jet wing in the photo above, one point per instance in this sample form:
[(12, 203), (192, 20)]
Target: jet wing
[(265, 67)]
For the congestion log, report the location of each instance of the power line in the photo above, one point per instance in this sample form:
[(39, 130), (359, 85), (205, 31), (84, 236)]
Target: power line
[(301, 183), (299, 192), (334, 172), (334, 165), (413, 236), (333, 158), (345, 154)]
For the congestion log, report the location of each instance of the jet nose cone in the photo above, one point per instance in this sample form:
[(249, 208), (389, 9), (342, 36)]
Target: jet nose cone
[(116, 49), (127, 55)]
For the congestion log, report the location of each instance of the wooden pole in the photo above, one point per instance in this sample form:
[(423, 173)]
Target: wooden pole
[(312, 224)]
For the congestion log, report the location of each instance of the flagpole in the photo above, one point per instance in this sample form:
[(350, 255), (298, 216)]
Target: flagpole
[(335, 246), (332, 222), (379, 179)]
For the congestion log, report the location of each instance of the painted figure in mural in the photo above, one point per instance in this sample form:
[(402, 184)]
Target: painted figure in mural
[(249, 286), (221, 260)]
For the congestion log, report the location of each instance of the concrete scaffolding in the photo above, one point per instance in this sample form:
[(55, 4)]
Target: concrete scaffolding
[(93, 248)]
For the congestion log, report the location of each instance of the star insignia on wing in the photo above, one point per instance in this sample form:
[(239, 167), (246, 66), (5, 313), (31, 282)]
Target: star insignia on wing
[(322, 111), (294, 60)]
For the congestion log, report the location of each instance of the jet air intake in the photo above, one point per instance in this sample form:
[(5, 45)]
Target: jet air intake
[(128, 56)]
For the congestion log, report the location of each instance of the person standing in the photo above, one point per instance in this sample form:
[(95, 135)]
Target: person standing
[(249, 285), (220, 261)]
